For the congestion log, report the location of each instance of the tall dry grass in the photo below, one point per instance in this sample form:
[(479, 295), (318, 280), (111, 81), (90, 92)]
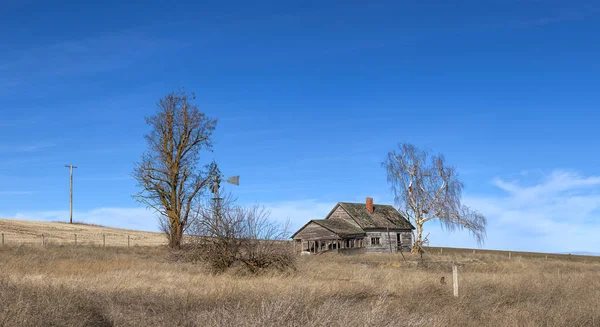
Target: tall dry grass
[(84, 286)]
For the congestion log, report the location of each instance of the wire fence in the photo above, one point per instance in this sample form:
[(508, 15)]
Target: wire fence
[(8, 239)]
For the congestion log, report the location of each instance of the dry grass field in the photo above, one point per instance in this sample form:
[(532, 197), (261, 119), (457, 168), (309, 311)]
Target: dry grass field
[(64, 285), (18, 232)]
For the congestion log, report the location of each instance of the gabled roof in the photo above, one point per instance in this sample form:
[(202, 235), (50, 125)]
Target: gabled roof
[(383, 216), (338, 227)]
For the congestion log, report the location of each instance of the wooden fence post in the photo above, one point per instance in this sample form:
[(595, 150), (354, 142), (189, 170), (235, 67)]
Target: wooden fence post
[(43, 241), (455, 280), (103, 240), (127, 240), (2, 239), (441, 250), (509, 255)]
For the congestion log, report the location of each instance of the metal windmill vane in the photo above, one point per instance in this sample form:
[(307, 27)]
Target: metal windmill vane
[(235, 180)]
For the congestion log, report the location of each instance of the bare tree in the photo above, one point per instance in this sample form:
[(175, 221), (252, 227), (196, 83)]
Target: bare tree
[(220, 225), (169, 173), (232, 233), (426, 188), (263, 244)]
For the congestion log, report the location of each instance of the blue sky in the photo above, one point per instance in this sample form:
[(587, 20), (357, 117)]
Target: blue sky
[(310, 96)]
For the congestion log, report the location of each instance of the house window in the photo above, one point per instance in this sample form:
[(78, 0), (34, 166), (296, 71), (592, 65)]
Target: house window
[(375, 241)]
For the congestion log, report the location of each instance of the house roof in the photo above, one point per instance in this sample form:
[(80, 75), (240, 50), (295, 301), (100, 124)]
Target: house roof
[(383, 216), (339, 227)]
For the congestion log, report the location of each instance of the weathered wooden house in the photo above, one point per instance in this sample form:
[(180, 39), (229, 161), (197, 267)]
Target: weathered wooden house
[(356, 228)]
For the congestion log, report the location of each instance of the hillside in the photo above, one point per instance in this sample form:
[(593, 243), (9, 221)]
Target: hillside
[(17, 232)]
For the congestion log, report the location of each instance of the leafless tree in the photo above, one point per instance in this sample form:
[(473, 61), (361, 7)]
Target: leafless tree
[(231, 233), (169, 174), (263, 244), (218, 229), (426, 188)]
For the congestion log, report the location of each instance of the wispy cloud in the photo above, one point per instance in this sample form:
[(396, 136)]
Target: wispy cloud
[(8, 193), (77, 57), (572, 15), (18, 122), (555, 212), (550, 20), (559, 212), (120, 177), (129, 218), (26, 148)]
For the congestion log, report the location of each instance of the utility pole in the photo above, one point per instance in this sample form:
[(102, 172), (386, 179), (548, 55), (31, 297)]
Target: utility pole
[(71, 193)]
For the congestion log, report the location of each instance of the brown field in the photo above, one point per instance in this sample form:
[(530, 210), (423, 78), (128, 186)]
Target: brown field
[(63, 285), (17, 232)]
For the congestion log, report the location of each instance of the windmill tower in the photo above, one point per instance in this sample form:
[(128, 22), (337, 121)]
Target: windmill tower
[(215, 187)]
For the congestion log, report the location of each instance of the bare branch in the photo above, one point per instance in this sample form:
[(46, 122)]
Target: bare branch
[(425, 189), (168, 174)]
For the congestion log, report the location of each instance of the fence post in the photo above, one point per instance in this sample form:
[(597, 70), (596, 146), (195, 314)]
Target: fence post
[(75, 239), (2, 239), (441, 250), (546, 257), (455, 280), (103, 240), (43, 242), (127, 240), (509, 255)]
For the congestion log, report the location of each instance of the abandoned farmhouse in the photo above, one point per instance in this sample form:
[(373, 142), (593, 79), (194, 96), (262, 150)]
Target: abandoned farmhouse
[(356, 228)]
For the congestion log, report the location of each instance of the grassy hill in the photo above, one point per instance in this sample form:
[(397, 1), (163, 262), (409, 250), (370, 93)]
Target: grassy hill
[(17, 232)]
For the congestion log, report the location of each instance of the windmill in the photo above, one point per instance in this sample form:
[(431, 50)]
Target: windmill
[(235, 180)]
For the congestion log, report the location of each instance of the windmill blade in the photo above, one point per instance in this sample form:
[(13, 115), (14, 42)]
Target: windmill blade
[(235, 180)]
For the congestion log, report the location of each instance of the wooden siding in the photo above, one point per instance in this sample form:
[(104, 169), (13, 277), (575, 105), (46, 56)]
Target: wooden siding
[(341, 214), (406, 241), (314, 231), (388, 241)]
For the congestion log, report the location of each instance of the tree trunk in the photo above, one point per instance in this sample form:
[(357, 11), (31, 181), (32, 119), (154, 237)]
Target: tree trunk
[(175, 233), (175, 240), (418, 239)]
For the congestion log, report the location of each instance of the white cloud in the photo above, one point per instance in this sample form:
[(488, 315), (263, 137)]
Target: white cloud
[(560, 212), (129, 218)]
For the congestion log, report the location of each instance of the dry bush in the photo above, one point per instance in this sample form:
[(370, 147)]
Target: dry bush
[(231, 234)]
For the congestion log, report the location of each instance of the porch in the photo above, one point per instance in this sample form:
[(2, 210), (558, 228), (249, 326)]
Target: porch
[(329, 245)]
